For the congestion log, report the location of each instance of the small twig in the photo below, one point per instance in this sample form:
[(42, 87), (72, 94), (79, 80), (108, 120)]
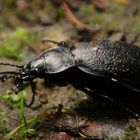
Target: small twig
[(72, 18)]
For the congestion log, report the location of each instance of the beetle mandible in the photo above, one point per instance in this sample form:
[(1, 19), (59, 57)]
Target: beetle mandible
[(117, 63)]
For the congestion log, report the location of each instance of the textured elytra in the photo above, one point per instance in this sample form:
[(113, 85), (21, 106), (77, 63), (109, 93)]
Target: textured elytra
[(107, 56)]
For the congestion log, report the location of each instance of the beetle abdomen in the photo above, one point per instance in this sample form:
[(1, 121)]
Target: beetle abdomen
[(108, 57)]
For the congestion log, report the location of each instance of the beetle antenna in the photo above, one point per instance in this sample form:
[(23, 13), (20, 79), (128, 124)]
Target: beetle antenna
[(61, 43), (52, 41), (9, 72), (12, 65)]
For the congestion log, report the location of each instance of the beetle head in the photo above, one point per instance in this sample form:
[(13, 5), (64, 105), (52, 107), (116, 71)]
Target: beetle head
[(33, 69), (53, 60)]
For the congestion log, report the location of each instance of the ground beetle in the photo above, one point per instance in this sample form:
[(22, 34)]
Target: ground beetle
[(91, 67)]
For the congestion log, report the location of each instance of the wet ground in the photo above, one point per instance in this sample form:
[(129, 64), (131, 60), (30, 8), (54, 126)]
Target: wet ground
[(63, 113)]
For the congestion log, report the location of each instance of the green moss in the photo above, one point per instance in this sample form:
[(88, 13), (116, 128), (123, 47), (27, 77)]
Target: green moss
[(54, 11), (25, 128), (114, 24), (131, 132), (136, 24), (92, 15), (60, 13), (4, 123), (87, 9), (101, 17), (119, 138), (116, 8), (10, 3), (14, 43), (97, 19)]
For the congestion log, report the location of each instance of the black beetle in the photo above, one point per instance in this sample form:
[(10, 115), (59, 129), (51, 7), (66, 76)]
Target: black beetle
[(91, 67)]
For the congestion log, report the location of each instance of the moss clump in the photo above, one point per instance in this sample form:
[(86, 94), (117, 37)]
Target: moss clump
[(14, 43), (87, 9), (115, 8), (136, 24), (4, 124), (131, 132)]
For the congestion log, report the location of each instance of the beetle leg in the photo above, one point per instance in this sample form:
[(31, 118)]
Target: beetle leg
[(125, 85), (116, 80), (16, 88), (90, 93), (121, 105), (33, 87)]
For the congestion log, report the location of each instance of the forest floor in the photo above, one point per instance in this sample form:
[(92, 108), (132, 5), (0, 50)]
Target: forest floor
[(62, 113)]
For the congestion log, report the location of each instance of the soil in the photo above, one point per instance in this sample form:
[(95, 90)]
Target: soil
[(64, 113)]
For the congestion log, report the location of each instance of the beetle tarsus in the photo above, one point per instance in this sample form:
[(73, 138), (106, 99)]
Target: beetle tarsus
[(33, 87), (16, 88)]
